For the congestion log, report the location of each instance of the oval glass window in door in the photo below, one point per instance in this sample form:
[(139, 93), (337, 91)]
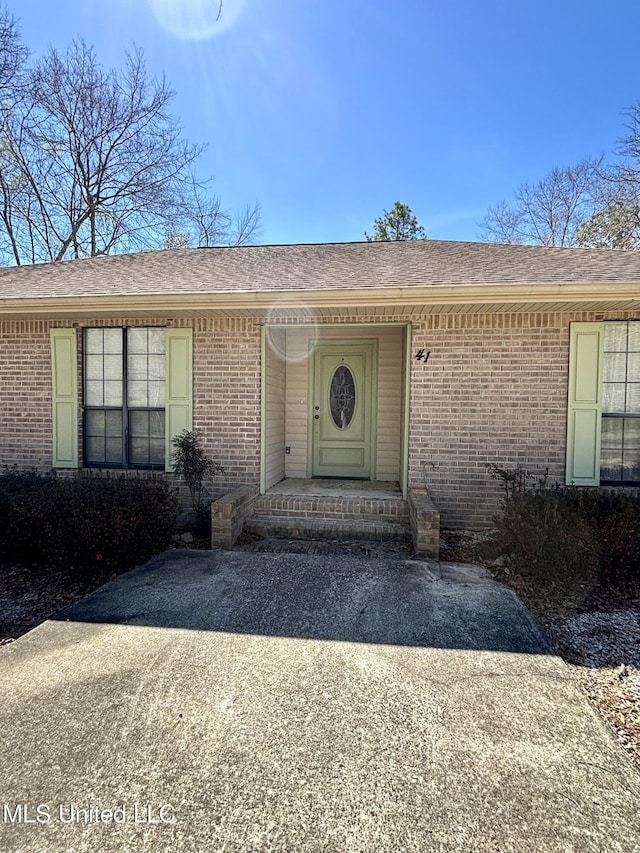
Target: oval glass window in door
[(342, 396)]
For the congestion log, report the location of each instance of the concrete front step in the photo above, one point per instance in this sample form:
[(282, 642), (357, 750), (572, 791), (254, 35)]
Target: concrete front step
[(314, 527)]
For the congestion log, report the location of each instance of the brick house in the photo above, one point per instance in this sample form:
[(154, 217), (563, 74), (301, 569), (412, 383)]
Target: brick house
[(408, 366)]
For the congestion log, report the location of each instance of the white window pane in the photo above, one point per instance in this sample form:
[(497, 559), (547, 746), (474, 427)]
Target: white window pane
[(94, 394), (634, 337), (137, 394), (113, 367), (633, 398), (113, 341), (112, 393), (156, 394), (156, 367), (613, 397), (614, 367), (93, 366), (93, 340), (137, 340), (615, 337), (157, 339), (137, 366), (633, 367)]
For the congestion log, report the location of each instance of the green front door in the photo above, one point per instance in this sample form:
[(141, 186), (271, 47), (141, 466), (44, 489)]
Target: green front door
[(344, 409)]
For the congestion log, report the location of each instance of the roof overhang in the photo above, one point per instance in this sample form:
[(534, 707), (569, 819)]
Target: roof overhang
[(265, 304)]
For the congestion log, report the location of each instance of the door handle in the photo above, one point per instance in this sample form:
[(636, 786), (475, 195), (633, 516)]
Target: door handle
[(316, 417)]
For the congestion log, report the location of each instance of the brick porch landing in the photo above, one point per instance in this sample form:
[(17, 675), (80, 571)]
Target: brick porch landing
[(332, 509)]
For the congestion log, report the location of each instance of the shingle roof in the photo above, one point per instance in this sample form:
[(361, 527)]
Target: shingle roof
[(334, 266)]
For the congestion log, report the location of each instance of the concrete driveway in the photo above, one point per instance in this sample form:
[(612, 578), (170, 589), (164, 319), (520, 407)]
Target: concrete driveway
[(234, 702)]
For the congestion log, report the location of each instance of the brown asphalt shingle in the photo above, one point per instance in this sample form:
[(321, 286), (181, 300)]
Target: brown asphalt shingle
[(334, 266)]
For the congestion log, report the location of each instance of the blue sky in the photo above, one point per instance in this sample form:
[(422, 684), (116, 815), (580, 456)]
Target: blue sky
[(326, 113)]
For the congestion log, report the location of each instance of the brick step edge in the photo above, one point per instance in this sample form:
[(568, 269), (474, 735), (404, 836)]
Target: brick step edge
[(310, 528), (330, 504), (337, 515)]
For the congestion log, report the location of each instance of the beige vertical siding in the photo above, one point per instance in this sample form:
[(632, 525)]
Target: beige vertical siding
[(275, 407), (389, 414), (299, 343)]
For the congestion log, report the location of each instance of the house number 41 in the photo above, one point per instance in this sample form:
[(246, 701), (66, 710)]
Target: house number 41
[(423, 355)]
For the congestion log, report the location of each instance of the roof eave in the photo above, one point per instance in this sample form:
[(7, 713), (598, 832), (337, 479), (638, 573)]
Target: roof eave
[(210, 303)]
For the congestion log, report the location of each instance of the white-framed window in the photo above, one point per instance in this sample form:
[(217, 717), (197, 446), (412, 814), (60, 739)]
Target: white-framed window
[(603, 423)]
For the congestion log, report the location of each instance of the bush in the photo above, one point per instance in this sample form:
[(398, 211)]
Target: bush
[(614, 519), (546, 540), (91, 524), (192, 464), (587, 537)]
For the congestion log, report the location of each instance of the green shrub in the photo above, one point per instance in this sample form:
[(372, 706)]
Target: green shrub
[(192, 464), (91, 524), (588, 537)]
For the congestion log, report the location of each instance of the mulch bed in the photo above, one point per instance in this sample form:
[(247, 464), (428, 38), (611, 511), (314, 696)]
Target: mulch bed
[(29, 595)]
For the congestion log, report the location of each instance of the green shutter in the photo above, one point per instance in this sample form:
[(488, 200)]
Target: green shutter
[(64, 370), (179, 399), (584, 412)]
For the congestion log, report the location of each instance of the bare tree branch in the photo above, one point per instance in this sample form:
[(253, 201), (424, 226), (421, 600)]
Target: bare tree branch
[(204, 222), (92, 161), (551, 211)]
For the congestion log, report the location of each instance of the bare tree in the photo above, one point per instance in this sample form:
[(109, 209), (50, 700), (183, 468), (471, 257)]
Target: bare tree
[(204, 222), (551, 211), (92, 161), (628, 167), (617, 224), (13, 53)]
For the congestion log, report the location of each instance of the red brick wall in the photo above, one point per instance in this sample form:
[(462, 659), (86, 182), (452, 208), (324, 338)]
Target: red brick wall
[(25, 395), (227, 395), (226, 391), (493, 391)]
